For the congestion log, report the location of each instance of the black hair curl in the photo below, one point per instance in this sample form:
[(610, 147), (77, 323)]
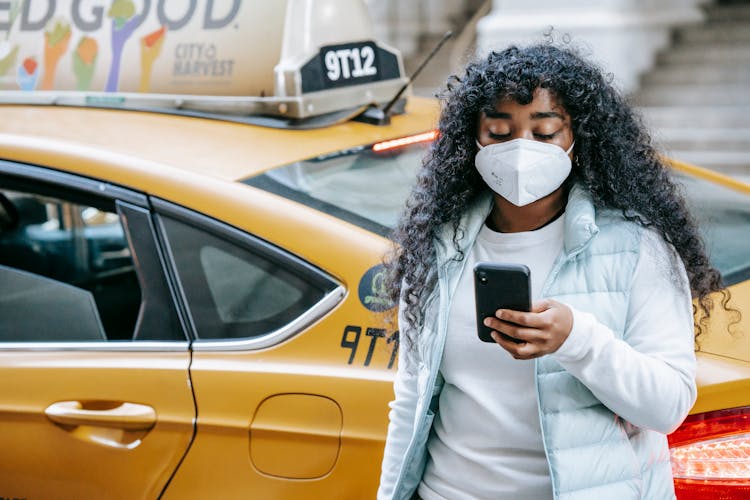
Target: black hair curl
[(614, 161)]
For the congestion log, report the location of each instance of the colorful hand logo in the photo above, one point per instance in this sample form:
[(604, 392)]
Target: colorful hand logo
[(8, 54), (151, 45), (124, 24), (56, 43), (84, 62), (28, 74)]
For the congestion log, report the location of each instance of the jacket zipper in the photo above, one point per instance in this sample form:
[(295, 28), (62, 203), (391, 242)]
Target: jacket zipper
[(564, 259)]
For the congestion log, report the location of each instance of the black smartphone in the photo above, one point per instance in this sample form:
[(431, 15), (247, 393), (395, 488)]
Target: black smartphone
[(500, 286)]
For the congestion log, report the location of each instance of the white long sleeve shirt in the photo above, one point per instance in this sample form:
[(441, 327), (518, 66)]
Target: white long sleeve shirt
[(487, 439)]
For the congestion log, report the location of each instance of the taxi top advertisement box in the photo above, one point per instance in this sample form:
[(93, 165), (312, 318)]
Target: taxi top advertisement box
[(155, 46), (192, 47)]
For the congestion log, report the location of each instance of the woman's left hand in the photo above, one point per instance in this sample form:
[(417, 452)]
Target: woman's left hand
[(541, 331)]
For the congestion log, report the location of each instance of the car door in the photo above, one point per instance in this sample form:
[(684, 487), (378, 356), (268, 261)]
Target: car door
[(95, 397), (287, 408)]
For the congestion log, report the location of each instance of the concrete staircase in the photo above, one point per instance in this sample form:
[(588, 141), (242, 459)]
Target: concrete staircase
[(697, 98)]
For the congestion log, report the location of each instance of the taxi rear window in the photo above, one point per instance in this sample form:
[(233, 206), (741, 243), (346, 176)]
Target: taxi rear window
[(723, 216), (366, 185)]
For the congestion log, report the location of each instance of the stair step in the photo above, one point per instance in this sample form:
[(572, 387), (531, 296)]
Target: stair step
[(689, 95), (713, 32), (739, 12), (691, 138), (693, 53), (709, 73), (705, 116)]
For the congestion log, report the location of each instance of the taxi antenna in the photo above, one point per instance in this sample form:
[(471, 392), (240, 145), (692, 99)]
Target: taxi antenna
[(378, 116), (416, 73)]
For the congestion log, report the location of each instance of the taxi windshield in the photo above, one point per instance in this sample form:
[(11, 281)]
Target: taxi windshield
[(365, 186), (369, 188)]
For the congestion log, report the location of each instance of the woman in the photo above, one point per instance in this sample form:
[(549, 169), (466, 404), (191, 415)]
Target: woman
[(539, 161)]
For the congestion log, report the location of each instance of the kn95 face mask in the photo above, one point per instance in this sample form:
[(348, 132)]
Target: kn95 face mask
[(523, 171)]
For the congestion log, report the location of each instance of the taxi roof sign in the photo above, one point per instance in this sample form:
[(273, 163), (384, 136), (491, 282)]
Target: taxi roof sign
[(289, 58)]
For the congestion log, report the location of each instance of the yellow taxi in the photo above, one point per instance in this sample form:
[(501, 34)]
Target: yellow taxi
[(189, 276)]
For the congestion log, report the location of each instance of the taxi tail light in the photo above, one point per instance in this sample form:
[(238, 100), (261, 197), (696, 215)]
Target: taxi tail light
[(710, 455), (404, 141)]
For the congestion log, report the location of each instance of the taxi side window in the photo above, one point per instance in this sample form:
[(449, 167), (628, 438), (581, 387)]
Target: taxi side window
[(234, 290), (66, 269)]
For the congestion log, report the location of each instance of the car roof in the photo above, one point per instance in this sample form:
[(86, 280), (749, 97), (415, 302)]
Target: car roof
[(223, 149)]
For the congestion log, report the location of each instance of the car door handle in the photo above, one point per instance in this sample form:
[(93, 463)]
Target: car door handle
[(127, 416)]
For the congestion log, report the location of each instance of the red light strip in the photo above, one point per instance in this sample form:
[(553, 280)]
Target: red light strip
[(710, 455), (405, 141), (711, 425), (724, 458)]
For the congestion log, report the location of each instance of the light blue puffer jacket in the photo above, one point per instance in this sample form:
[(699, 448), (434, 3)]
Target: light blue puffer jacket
[(592, 453)]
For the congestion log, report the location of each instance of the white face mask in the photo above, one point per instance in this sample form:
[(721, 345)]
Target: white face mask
[(523, 171)]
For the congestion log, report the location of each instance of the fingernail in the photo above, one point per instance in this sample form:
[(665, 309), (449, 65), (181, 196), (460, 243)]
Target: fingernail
[(486, 322), (499, 313)]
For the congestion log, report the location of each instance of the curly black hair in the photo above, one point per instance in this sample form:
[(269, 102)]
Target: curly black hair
[(614, 160)]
